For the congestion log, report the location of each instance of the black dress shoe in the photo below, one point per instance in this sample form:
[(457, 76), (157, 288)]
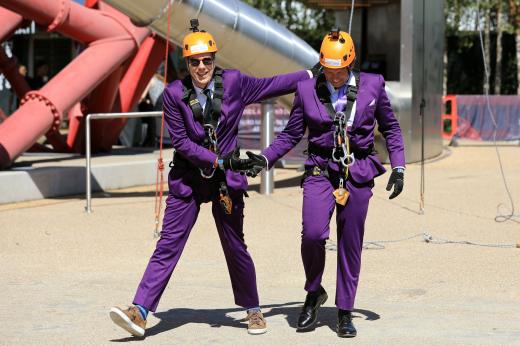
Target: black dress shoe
[(309, 314), (346, 328)]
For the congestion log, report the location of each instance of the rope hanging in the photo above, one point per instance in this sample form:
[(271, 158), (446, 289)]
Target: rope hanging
[(353, 3), (159, 179)]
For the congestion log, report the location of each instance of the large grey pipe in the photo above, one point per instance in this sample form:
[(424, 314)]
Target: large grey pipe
[(247, 39)]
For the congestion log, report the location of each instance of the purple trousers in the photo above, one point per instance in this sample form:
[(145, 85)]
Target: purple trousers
[(179, 217), (318, 206)]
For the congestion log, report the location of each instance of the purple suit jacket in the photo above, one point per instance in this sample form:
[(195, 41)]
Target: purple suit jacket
[(187, 134), (372, 104)]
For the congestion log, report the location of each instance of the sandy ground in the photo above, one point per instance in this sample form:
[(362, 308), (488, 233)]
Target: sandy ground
[(62, 269)]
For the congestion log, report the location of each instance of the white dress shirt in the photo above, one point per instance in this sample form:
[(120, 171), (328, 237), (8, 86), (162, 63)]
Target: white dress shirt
[(334, 95), (201, 96)]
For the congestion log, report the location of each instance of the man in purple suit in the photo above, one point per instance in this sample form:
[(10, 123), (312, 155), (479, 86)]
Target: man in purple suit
[(339, 108), (202, 114)]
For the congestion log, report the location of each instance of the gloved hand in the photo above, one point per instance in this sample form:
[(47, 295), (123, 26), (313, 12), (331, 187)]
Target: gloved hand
[(255, 164), (397, 181), (233, 161), (316, 69)]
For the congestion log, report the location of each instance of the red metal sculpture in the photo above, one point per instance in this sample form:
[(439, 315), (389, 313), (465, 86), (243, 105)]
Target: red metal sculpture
[(109, 75)]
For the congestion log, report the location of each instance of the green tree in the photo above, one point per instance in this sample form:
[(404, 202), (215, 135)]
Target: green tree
[(496, 18), (500, 25), (514, 20), (309, 24)]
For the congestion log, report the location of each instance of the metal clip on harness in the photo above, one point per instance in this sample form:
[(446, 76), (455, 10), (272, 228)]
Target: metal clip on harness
[(212, 136), (341, 151)]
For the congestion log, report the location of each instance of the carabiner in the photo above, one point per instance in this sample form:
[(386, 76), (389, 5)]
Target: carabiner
[(339, 117), (334, 157), (207, 176), (348, 160), (345, 159)]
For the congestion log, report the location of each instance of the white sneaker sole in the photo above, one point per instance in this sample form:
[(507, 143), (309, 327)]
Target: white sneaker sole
[(256, 331), (124, 322)]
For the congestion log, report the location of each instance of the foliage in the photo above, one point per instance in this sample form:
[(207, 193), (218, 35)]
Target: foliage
[(465, 71)]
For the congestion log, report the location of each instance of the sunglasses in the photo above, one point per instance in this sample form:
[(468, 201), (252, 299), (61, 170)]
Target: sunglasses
[(196, 62)]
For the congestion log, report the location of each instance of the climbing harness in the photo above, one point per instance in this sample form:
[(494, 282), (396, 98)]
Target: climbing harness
[(341, 153), (208, 118)]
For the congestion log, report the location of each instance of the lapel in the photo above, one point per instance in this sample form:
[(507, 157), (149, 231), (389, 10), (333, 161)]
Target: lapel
[(322, 111), (195, 125), (226, 84), (360, 103)]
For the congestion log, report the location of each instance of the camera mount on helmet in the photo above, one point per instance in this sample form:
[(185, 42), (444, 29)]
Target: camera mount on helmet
[(194, 23), (334, 33)]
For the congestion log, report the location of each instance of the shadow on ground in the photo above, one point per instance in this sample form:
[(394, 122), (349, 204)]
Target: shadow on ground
[(281, 184), (217, 318)]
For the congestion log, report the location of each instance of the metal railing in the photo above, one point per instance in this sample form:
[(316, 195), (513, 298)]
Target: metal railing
[(88, 207), (267, 178)]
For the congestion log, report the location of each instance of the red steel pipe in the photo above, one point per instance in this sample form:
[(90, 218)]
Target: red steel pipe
[(141, 70), (9, 67), (133, 84), (101, 100), (10, 21), (113, 39), (73, 20)]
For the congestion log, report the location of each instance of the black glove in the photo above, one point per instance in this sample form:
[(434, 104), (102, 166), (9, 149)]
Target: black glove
[(396, 180), (316, 69), (233, 161), (255, 164)]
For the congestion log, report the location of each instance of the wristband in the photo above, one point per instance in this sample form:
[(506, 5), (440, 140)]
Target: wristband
[(220, 163)]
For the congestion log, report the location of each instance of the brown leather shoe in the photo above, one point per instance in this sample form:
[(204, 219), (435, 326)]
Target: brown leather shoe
[(129, 319), (257, 323)]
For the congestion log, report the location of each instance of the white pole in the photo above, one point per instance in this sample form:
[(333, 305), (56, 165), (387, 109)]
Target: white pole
[(267, 176)]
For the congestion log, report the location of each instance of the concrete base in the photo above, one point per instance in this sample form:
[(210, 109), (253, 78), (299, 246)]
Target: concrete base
[(48, 175), (37, 176)]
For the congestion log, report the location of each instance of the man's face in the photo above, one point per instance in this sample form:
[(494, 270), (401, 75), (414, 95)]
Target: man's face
[(22, 70), (201, 67), (336, 76)]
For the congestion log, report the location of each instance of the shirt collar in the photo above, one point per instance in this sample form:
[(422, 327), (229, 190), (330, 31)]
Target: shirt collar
[(351, 82), (211, 86)]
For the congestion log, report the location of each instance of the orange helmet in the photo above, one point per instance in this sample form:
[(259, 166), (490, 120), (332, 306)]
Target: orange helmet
[(198, 41), (337, 50)]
